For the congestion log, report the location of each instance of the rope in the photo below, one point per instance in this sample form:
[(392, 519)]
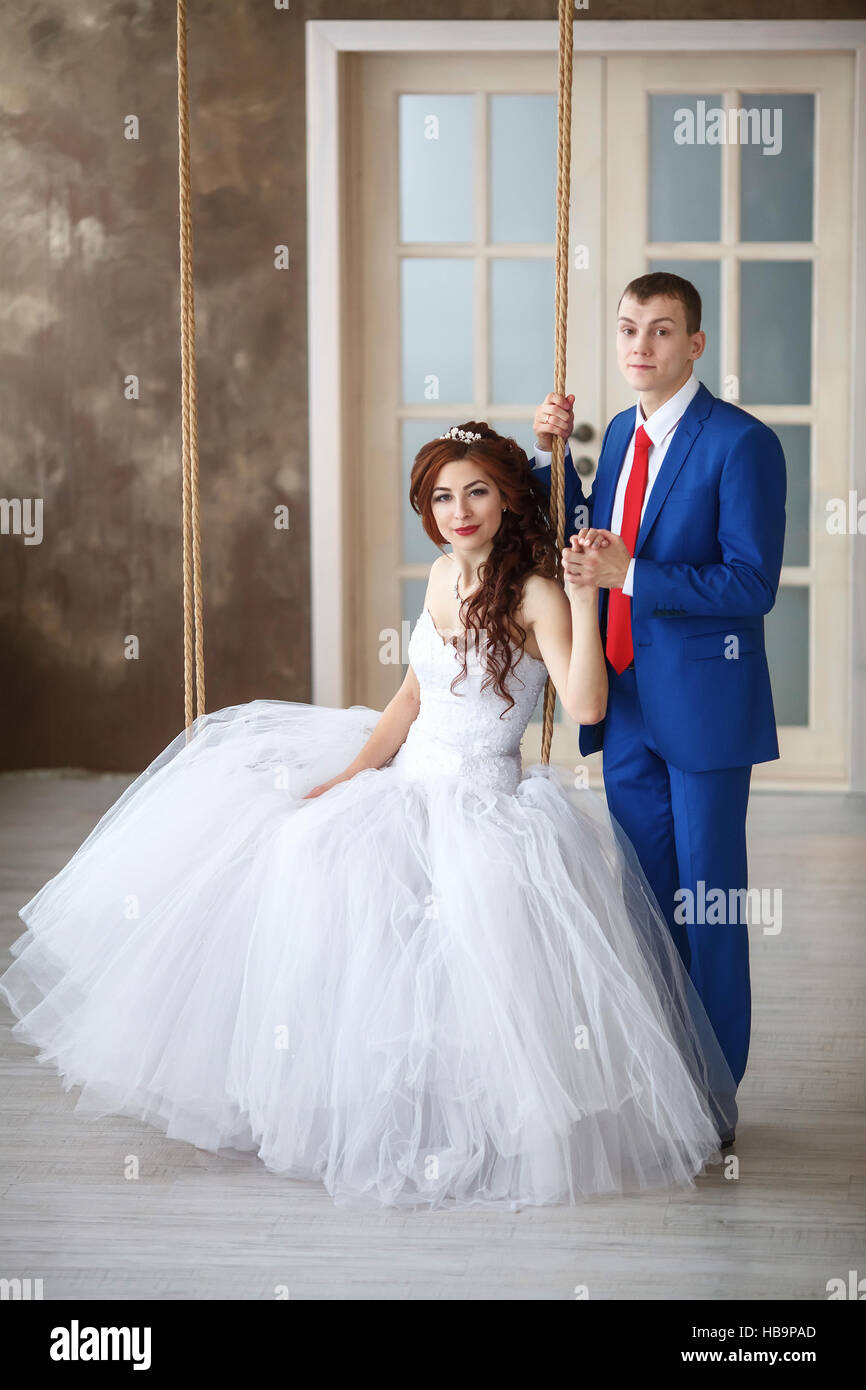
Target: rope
[(193, 619), (563, 193)]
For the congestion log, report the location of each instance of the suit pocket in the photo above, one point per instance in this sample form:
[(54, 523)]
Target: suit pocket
[(693, 496), (727, 644)]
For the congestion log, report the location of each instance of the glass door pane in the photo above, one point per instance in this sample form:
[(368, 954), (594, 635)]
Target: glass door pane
[(437, 135), (437, 327), (521, 331), (777, 195), (685, 182), (775, 332), (522, 167)]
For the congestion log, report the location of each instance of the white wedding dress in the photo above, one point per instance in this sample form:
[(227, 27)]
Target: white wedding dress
[(443, 983)]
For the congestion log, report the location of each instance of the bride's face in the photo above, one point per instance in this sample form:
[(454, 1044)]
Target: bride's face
[(467, 505)]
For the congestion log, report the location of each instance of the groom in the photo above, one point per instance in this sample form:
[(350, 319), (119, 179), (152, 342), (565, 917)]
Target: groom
[(690, 497)]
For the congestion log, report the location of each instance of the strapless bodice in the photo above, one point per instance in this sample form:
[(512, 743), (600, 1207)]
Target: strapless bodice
[(467, 731)]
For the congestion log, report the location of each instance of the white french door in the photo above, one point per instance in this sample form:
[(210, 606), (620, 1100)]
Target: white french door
[(449, 177)]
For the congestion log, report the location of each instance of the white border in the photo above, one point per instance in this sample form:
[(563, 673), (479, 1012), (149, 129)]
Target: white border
[(325, 40)]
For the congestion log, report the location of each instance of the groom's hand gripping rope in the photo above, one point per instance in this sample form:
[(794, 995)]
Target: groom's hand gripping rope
[(555, 415)]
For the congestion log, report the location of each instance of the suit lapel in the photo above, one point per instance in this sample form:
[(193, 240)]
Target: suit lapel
[(685, 435), (605, 486), (621, 431)]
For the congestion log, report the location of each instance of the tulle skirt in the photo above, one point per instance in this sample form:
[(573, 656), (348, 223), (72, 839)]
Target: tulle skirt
[(412, 990)]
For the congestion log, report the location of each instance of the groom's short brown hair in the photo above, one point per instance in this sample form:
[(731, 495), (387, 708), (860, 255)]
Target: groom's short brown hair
[(664, 282)]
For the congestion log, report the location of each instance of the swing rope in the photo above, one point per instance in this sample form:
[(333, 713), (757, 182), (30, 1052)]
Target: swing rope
[(193, 617), (563, 193), (193, 620)]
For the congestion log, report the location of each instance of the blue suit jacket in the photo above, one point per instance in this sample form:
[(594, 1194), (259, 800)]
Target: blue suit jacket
[(707, 563)]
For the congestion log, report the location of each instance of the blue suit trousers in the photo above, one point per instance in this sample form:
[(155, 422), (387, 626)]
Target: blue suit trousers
[(686, 827)]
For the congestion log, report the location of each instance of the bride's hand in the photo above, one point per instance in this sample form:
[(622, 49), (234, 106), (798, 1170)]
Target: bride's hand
[(326, 786)]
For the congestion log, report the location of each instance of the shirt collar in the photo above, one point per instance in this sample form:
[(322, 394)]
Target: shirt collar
[(662, 421)]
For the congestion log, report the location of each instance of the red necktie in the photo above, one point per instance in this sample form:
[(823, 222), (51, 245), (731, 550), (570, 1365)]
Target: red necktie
[(619, 648)]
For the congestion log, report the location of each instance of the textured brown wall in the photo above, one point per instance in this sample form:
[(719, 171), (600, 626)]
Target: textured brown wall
[(89, 266)]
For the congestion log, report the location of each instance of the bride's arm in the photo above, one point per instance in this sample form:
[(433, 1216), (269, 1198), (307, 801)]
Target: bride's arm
[(393, 727), (565, 625), (389, 734)]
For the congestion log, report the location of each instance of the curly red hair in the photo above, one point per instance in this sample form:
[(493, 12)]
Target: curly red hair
[(524, 544)]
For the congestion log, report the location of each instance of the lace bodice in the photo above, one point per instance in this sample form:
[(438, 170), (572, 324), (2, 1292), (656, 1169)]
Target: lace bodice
[(460, 731)]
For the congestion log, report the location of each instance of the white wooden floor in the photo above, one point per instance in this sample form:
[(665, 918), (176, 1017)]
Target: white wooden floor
[(194, 1226)]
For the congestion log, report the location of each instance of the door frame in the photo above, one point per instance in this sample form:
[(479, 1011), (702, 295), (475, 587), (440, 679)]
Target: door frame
[(329, 410)]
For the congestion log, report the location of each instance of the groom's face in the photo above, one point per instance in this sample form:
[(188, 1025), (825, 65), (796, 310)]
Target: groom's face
[(653, 346)]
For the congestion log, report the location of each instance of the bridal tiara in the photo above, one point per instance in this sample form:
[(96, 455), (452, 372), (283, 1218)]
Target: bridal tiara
[(455, 432)]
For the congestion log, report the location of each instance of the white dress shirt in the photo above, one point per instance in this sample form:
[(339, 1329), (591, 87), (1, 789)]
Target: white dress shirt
[(660, 427)]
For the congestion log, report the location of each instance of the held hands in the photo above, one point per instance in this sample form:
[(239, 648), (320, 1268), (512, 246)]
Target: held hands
[(555, 415), (595, 559)]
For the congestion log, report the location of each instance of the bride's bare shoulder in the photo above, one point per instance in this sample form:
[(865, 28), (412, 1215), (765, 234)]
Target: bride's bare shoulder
[(438, 572), (540, 593), (541, 598)]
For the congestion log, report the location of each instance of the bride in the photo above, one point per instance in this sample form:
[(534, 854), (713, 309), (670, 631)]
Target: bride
[(371, 947)]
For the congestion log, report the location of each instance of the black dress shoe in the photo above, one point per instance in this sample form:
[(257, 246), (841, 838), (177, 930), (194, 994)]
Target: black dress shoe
[(729, 1140)]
